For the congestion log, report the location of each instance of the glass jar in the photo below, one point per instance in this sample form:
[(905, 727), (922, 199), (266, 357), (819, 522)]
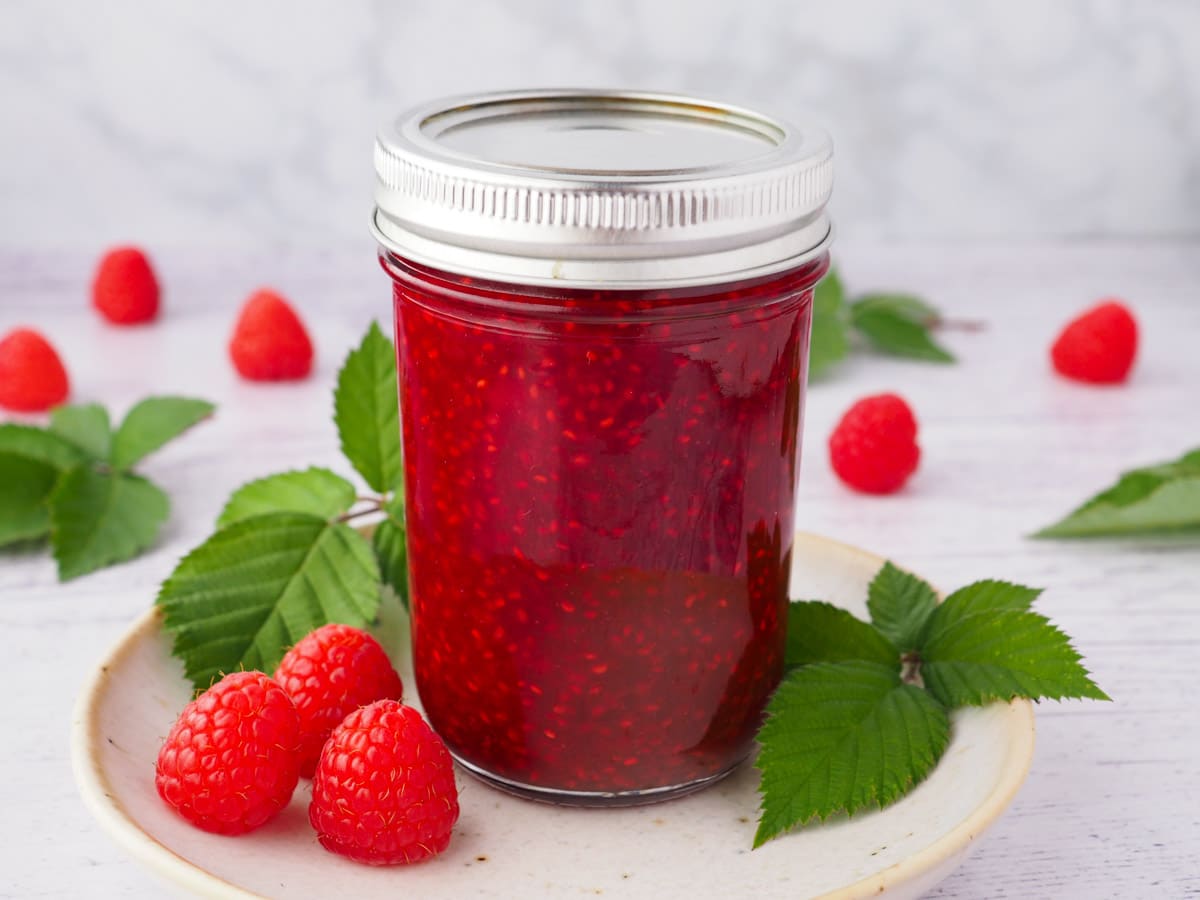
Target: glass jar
[(603, 306)]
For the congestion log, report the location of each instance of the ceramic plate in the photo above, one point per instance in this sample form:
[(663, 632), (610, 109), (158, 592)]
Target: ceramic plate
[(698, 846)]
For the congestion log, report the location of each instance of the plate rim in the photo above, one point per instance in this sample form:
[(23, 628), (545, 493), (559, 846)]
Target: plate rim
[(102, 801)]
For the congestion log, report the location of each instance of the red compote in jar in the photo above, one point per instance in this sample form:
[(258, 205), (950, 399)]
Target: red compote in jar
[(602, 307)]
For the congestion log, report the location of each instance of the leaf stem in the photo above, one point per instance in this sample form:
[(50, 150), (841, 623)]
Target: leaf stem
[(971, 325), (376, 507)]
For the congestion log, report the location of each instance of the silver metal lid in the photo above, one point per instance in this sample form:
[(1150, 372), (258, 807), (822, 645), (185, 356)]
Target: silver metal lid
[(585, 188)]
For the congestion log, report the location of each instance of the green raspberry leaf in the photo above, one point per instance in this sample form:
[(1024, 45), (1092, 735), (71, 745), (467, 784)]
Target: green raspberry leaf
[(1188, 464), (900, 604), (391, 550), (1156, 499), (152, 423), (898, 325), (31, 461), (980, 598), (367, 412), (316, 491), (101, 518), (841, 737), (821, 632), (970, 660), (908, 306), (39, 445), (830, 333), (86, 426), (255, 587), (24, 486)]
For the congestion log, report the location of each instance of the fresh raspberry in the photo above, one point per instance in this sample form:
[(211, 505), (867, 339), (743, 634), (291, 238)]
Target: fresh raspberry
[(32, 377), (269, 341), (328, 675), (125, 290), (874, 447), (232, 760), (1099, 346), (384, 792)]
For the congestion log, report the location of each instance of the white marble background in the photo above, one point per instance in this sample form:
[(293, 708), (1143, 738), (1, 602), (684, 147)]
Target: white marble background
[(236, 123)]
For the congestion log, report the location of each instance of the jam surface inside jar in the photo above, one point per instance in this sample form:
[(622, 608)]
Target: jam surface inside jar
[(600, 492)]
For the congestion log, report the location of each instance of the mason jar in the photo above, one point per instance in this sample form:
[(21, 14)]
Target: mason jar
[(602, 308)]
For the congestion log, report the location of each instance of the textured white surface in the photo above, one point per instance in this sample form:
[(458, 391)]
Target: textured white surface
[(1110, 806), (697, 846), (239, 123)]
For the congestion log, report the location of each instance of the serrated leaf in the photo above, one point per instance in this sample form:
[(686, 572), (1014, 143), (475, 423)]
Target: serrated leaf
[(39, 445), (1159, 498), (391, 548), (86, 426), (1188, 464), (316, 491), (254, 588), (101, 518), (24, 486), (31, 460), (890, 330), (821, 632), (842, 737), (900, 604), (830, 340), (366, 411), (981, 597), (152, 423), (993, 655)]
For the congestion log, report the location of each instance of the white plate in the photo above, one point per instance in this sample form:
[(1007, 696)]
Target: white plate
[(698, 846)]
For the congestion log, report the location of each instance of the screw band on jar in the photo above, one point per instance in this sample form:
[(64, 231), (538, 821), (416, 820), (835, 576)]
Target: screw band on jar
[(707, 193)]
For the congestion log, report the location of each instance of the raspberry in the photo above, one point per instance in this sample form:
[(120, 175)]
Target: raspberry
[(232, 759), (1099, 346), (874, 447), (329, 674), (125, 290), (270, 342), (32, 377), (384, 792)]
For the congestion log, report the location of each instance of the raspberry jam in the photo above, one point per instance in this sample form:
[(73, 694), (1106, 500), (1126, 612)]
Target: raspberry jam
[(600, 476)]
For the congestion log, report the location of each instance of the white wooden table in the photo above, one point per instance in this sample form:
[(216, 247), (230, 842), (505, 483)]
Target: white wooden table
[(1110, 808)]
